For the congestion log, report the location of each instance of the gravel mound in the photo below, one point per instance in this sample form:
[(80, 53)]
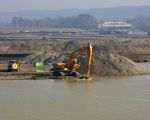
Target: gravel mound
[(112, 65), (102, 64), (47, 58)]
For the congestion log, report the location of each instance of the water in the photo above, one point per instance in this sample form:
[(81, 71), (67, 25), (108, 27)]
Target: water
[(117, 98)]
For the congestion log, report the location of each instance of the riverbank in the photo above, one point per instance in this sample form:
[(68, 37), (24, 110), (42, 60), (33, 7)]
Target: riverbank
[(43, 73), (102, 65), (25, 76)]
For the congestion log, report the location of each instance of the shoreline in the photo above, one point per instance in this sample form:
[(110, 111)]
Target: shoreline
[(48, 76)]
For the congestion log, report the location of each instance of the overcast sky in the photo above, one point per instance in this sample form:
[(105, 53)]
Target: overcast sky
[(18, 5)]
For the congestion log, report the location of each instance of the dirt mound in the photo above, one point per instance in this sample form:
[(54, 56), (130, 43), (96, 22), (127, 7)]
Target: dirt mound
[(102, 64), (101, 45), (50, 52), (30, 46), (112, 65), (47, 58)]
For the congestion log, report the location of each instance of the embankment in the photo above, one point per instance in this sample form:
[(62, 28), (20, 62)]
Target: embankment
[(113, 65)]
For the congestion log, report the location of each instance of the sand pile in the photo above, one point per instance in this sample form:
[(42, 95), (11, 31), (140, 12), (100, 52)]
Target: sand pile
[(112, 65), (47, 58), (102, 64)]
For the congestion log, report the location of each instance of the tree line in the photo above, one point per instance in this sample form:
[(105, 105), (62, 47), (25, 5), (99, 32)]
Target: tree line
[(84, 21)]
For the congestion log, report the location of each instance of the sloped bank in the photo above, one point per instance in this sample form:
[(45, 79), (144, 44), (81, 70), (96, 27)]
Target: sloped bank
[(113, 65)]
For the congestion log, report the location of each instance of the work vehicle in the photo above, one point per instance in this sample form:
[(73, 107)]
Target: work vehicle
[(69, 67), (13, 66)]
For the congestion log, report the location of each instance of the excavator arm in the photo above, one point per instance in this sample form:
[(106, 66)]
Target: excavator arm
[(86, 49), (70, 66)]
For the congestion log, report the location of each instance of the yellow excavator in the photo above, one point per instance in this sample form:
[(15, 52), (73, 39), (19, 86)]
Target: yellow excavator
[(13, 66), (69, 67)]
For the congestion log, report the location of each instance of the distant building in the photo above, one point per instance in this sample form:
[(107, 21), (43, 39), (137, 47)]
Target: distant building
[(115, 28)]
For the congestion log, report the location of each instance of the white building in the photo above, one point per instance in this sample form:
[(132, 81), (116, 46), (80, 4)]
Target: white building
[(115, 27)]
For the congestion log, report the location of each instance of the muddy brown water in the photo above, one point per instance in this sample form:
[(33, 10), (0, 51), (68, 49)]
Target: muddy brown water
[(109, 98)]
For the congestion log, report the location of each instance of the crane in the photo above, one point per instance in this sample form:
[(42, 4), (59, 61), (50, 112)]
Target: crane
[(69, 67)]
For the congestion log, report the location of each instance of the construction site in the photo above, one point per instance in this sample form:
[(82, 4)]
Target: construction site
[(49, 58), (74, 76), (74, 59)]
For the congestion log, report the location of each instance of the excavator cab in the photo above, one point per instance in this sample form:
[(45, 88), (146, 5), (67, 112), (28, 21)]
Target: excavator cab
[(60, 69)]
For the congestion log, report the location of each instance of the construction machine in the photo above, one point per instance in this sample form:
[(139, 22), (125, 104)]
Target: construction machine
[(69, 67), (13, 66)]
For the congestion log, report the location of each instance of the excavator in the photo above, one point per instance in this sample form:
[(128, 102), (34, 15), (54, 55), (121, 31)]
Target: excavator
[(69, 67), (13, 66)]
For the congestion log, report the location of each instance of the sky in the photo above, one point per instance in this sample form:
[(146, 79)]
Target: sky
[(21, 5)]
